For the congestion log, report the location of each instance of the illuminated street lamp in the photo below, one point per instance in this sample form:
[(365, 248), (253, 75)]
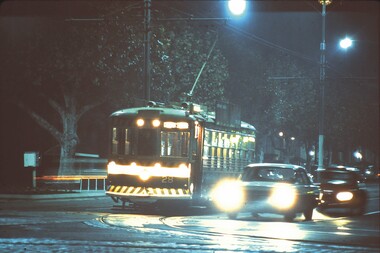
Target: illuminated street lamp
[(345, 43), (358, 155), (237, 7), (322, 78)]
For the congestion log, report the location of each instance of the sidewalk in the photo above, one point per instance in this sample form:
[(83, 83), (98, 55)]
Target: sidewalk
[(55, 195)]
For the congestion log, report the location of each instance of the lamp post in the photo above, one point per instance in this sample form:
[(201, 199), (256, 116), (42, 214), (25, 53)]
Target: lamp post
[(147, 38), (322, 79)]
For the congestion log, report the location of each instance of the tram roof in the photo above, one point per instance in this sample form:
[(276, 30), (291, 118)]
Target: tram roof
[(178, 113), (169, 112)]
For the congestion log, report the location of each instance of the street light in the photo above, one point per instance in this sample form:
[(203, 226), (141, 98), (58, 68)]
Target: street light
[(345, 43), (322, 78), (237, 7)]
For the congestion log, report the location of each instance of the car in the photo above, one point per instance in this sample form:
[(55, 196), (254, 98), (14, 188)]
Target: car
[(284, 189), (343, 189), (370, 173)]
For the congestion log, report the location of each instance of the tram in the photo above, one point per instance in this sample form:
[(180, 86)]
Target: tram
[(175, 152)]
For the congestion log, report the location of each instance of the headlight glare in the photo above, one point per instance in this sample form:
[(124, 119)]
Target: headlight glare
[(228, 196), (283, 196)]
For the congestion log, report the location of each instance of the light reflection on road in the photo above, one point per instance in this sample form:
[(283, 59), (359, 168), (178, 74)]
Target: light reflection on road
[(281, 230), (241, 233)]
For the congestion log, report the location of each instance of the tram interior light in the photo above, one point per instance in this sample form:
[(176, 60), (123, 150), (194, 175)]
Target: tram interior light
[(248, 139)]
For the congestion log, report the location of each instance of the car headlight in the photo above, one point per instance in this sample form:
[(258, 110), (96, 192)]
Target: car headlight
[(283, 196), (344, 196), (228, 195)]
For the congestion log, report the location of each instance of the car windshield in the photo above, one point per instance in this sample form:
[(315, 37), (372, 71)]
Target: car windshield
[(274, 174)]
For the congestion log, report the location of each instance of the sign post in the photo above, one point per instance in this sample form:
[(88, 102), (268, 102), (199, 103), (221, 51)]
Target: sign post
[(31, 160)]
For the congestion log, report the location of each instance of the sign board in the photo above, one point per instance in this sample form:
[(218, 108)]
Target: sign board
[(31, 159)]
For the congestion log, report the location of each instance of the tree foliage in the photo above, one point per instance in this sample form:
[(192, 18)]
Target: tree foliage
[(277, 95), (73, 66), (352, 110)]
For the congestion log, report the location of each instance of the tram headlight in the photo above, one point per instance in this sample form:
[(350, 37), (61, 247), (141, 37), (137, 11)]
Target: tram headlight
[(283, 196), (344, 196), (156, 123), (228, 195), (140, 122)]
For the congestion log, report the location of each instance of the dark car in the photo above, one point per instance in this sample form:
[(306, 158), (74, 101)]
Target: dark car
[(269, 188), (343, 189)]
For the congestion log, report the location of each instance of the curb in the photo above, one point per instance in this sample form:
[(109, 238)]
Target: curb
[(83, 194)]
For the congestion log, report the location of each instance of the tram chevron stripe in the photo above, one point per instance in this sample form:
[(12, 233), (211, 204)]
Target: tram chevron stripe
[(124, 189), (148, 191), (130, 189)]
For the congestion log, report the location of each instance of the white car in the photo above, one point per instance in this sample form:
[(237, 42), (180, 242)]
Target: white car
[(269, 188)]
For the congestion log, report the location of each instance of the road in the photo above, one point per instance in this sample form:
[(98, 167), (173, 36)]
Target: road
[(94, 225)]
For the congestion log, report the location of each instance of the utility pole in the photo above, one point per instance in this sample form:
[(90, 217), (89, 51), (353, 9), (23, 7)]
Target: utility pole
[(147, 38), (322, 81)]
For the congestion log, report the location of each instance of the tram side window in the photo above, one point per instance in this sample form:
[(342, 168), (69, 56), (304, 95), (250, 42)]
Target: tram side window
[(175, 144), (115, 141), (207, 143), (127, 144)]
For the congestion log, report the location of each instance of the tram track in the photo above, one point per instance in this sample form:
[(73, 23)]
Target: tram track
[(166, 226)]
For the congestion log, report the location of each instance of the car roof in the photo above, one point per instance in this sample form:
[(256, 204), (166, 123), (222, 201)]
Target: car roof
[(342, 168), (338, 171), (271, 165)]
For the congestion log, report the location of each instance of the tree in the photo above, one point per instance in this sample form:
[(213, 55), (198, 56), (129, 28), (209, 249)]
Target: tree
[(352, 121), (72, 67), (178, 50), (57, 73), (277, 95)]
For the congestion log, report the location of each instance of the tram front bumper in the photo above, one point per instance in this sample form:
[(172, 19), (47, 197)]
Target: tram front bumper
[(136, 193)]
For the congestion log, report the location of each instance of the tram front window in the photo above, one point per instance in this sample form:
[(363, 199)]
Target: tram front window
[(175, 144), (147, 142)]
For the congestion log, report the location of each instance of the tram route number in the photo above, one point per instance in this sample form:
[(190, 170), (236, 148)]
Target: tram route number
[(167, 180)]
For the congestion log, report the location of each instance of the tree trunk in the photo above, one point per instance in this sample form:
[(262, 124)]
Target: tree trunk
[(66, 163), (69, 142)]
